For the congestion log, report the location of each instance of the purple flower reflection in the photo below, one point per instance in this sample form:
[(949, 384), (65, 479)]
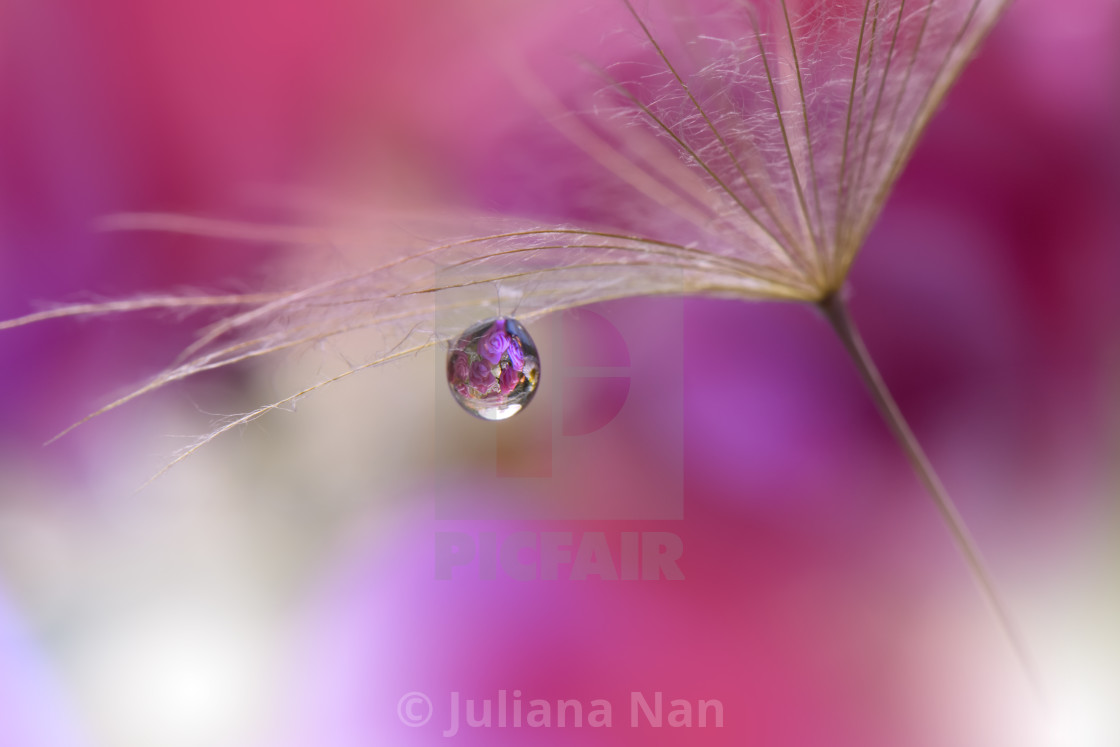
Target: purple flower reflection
[(508, 380), (494, 343), (460, 367), (515, 353), (480, 376)]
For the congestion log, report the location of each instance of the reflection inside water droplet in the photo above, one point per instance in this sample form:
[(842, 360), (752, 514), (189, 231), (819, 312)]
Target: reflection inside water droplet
[(493, 369)]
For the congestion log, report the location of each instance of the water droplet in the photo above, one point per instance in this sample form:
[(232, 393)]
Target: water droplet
[(493, 369)]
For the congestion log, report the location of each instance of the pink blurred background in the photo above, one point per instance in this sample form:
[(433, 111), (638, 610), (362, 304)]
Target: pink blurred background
[(256, 603)]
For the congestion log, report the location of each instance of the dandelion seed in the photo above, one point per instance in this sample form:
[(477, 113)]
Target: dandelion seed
[(760, 141), (765, 138)]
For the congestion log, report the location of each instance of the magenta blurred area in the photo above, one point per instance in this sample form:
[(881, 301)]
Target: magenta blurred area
[(822, 601)]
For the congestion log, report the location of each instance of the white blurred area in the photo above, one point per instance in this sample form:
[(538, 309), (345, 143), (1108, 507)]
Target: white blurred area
[(169, 616), (184, 673), (1080, 643), (174, 616)]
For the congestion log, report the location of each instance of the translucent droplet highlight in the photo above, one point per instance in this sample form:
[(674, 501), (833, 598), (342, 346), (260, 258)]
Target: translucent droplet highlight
[(494, 368)]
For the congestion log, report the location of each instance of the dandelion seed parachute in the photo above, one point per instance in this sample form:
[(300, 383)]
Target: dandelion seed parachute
[(765, 137)]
